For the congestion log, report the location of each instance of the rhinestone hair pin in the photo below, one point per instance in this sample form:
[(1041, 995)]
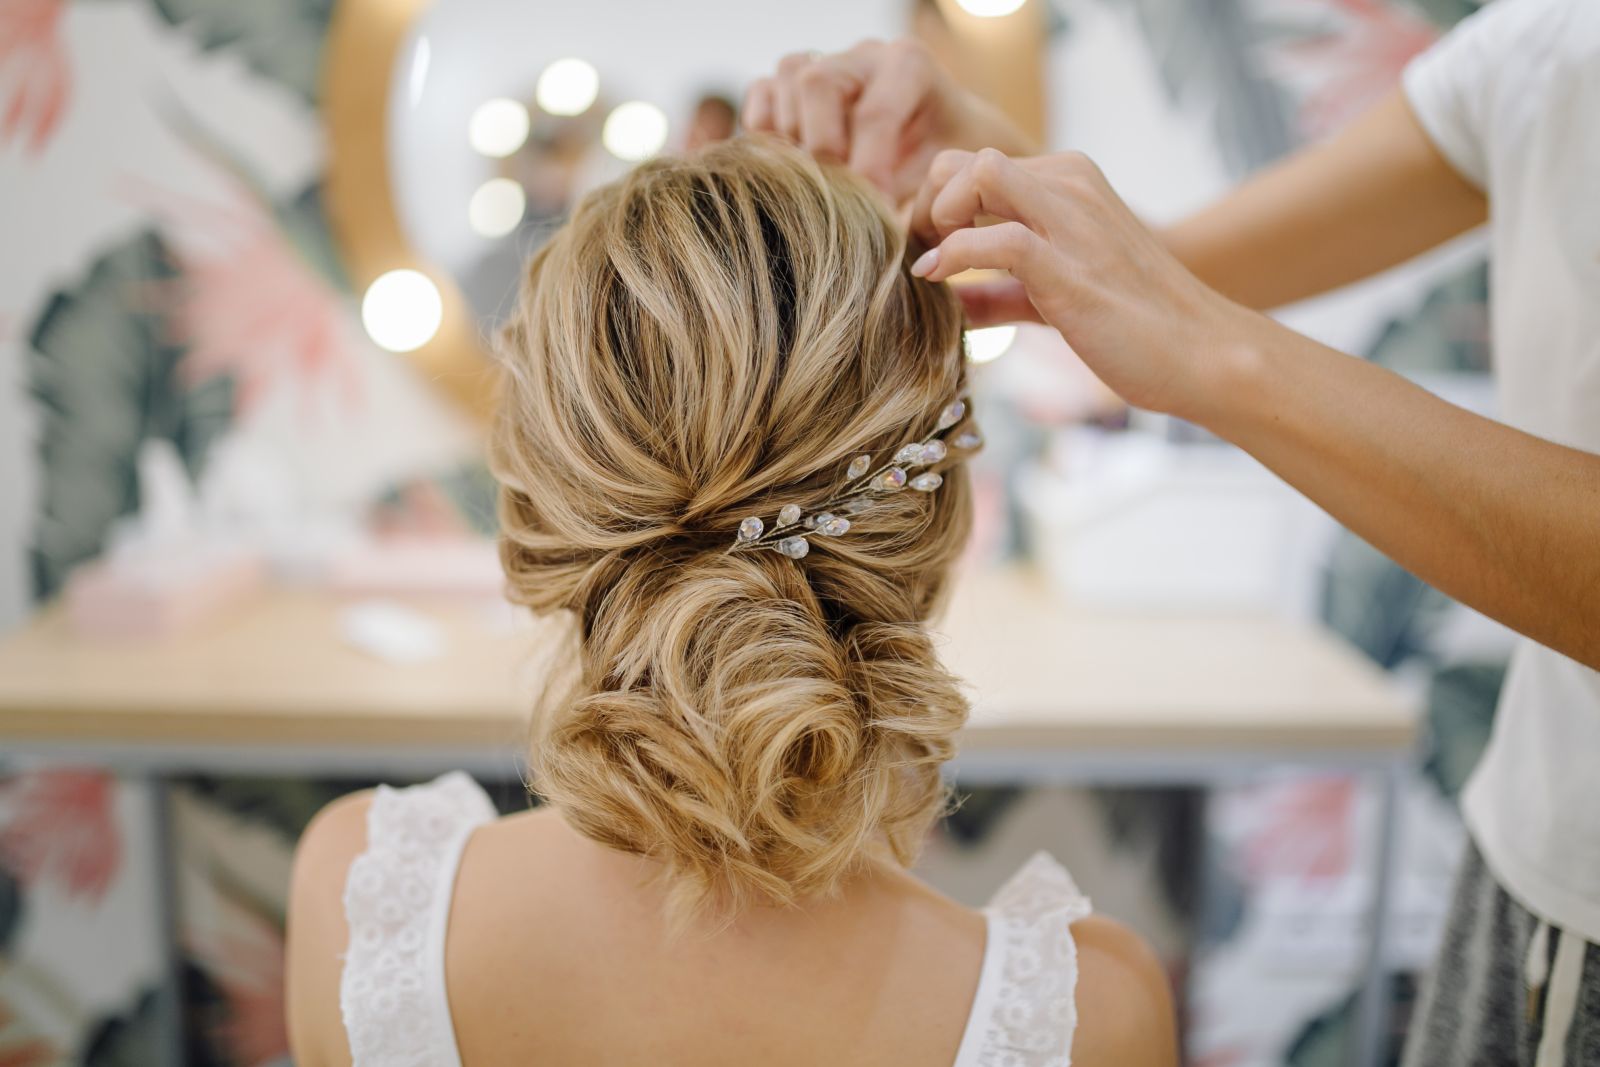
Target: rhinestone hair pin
[(864, 486)]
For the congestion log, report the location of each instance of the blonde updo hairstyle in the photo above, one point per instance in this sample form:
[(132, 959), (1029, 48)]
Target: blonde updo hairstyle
[(711, 338)]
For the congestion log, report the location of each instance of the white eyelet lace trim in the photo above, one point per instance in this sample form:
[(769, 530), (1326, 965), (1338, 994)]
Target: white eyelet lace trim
[(1032, 1014), (396, 901), (397, 898)]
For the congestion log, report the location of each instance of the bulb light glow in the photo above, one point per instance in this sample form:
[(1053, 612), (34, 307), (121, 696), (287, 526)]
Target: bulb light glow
[(634, 131), (402, 310), (567, 87), (498, 127), (989, 343), (496, 207), (990, 9)]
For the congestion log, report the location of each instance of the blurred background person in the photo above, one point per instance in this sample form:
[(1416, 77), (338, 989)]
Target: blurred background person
[(715, 118)]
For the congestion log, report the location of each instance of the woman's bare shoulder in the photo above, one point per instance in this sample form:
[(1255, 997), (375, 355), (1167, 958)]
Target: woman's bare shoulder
[(1125, 1015), (317, 932)]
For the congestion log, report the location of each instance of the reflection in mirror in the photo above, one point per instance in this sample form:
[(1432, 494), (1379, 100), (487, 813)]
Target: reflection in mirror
[(503, 113)]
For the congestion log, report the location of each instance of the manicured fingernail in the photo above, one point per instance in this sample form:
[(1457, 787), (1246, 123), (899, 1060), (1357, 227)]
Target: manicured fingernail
[(925, 263)]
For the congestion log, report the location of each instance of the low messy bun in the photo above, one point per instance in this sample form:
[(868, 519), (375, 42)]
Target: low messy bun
[(707, 339)]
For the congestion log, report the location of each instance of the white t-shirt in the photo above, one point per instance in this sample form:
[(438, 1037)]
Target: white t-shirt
[(1512, 98)]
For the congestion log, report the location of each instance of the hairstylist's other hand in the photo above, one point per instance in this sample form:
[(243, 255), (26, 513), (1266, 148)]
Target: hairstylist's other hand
[(886, 109), (1079, 261)]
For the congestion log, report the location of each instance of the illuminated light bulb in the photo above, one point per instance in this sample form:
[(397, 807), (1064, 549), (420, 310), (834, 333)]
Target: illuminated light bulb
[(567, 87), (989, 343), (496, 207), (498, 127), (402, 310), (634, 131), (990, 9)]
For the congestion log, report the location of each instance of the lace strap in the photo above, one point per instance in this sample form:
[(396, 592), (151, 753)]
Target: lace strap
[(1041, 889), (397, 904), (1026, 1012)]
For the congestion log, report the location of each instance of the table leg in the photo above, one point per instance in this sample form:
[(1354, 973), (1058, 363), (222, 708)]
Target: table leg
[(1373, 1005), (1205, 871), (170, 1030)]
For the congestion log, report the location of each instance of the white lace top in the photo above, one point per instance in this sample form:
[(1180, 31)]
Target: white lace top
[(397, 902)]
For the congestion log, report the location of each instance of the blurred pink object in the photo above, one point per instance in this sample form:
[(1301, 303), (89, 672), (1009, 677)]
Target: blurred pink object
[(423, 566), (248, 303), (246, 961), (23, 1050), (63, 823), (1354, 65), (149, 594), (33, 71), (1302, 829)]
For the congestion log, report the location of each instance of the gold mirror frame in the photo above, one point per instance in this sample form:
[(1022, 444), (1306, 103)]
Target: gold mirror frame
[(1003, 59), (362, 47)]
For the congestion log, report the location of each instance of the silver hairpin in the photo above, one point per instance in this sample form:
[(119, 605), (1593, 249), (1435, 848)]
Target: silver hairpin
[(863, 486)]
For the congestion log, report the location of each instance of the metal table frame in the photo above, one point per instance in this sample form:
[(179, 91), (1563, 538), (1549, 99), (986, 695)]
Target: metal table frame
[(1200, 768)]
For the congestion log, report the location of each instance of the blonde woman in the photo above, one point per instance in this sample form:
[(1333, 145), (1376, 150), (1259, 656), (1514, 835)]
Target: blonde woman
[(731, 453)]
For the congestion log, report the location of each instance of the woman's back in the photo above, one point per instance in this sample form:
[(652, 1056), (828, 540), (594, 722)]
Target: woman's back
[(547, 948), (731, 450)]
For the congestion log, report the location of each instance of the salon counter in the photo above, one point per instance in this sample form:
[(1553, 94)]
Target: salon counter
[(274, 682), (1063, 694)]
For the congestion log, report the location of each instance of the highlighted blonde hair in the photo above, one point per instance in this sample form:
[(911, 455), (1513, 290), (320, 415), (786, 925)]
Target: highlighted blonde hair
[(709, 338)]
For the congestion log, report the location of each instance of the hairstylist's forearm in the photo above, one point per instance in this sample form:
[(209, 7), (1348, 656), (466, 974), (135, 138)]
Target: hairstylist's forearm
[(1505, 522), (1374, 195)]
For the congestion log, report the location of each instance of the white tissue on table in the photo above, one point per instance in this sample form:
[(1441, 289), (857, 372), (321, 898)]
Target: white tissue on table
[(250, 504), (249, 493), (166, 543), (246, 505), (391, 632)]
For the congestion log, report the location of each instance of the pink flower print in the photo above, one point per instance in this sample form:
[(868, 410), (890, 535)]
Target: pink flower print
[(247, 963), (1304, 832), (62, 824), (30, 1052), (34, 80), (1227, 1056), (1359, 63), (23, 1051), (248, 304), (421, 510)]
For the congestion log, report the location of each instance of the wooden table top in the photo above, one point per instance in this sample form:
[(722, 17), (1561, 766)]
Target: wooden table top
[(1042, 674)]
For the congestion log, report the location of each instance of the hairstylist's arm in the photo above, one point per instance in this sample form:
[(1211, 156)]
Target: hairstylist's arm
[(885, 108), (1372, 196), (1502, 521)]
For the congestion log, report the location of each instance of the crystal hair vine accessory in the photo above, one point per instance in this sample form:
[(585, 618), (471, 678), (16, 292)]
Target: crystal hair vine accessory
[(864, 485)]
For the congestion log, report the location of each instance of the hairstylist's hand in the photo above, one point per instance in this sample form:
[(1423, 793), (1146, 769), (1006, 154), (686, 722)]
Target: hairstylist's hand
[(885, 109), (1079, 261)]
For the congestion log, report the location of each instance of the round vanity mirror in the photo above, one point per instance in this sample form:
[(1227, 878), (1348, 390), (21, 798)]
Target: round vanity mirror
[(503, 113), (463, 132)]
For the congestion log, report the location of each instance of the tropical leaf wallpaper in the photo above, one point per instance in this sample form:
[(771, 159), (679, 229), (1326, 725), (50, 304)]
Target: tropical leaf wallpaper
[(182, 285), (106, 370), (280, 41)]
